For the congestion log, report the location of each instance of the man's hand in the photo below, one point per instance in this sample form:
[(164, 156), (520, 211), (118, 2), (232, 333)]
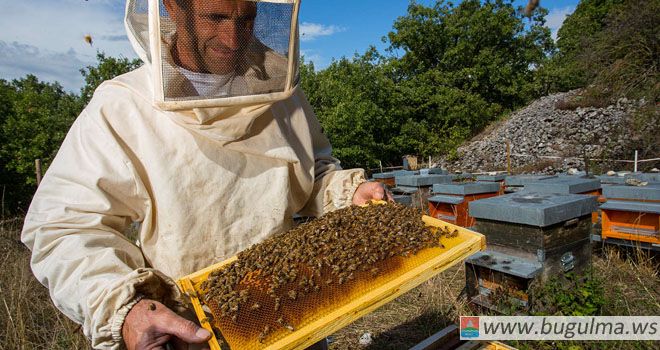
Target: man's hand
[(150, 325), (371, 190)]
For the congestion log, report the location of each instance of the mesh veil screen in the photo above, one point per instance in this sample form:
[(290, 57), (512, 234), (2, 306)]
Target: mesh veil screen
[(137, 21), (225, 48)]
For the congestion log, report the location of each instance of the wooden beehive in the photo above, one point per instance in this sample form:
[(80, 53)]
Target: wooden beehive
[(632, 214), (531, 237), (451, 202)]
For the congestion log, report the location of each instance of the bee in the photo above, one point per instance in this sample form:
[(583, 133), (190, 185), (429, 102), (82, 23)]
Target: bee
[(263, 334), (374, 272), (292, 294), (285, 324)]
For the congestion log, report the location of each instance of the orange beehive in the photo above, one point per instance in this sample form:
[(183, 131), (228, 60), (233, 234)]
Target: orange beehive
[(632, 213), (451, 202)]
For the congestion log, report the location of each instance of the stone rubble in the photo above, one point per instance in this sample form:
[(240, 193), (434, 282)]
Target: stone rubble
[(540, 130)]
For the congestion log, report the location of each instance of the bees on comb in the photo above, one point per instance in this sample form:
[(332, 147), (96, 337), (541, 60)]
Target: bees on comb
[(319, 256)]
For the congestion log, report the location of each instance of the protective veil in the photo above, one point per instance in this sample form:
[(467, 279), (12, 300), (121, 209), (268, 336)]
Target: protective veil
[(204, 181), (217, 53)]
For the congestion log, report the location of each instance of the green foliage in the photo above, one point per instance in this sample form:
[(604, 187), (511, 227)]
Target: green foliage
[(34, 122), (106, 69), (575, 296), (450, 70), (480, 48), (612, 48), (42, 114), (624, 57), (34, 119)]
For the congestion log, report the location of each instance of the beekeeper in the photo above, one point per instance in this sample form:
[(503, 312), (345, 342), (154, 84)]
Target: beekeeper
[(210, 146)]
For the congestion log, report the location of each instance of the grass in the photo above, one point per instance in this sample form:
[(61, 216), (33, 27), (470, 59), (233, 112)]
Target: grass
[(631, 286), (28, 319)]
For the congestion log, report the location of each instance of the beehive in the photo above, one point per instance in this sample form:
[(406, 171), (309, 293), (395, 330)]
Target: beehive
[(313, 316), (632, 214), (515, 183), (498, 178), (384, 178), (452, 200), (568, 185), (532, 237)]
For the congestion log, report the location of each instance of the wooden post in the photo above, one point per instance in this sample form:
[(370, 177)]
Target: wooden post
[(2, 212), (586, 163), (380, 164), (508, 156), (37, 165)]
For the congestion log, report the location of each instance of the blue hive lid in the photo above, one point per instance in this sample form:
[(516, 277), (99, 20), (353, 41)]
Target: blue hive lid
[(522, 180), (422, 180), (564, 184), (466, 188), (636, 207), (648, 177), (497, 177), (532, 208), (650, 192), (607, 179), (383, 175), (446, 199)]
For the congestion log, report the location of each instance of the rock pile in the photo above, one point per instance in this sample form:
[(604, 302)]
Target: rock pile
[(543, 134)]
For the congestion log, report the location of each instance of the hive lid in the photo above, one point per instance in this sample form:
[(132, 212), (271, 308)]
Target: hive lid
[(497, 177), (522, 180), (637, 207), (648, 177), (402, 198), (423, 180), (433, 171), (405, 172), (466, 188), (650, 192), (383, 175), (532, 208), (606, 179), (446, 199), (404, 190), (506, 263), (564, 184)]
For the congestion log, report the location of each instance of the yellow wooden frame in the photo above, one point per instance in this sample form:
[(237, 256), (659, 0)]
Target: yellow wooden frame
[(343, 315)]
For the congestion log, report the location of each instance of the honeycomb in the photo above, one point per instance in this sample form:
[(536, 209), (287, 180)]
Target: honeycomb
[(291, 280)]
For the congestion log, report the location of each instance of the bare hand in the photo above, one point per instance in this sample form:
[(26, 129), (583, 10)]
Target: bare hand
[(371, 190), (150, 325)]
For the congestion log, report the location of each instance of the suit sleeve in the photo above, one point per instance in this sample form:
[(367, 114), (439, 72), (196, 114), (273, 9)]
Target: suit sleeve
[(333, 186), (74, 228)]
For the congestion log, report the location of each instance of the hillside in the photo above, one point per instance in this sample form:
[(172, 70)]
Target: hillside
[(544, 137)]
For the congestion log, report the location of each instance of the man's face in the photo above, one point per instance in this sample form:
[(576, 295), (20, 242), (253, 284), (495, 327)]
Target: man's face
[(212, 35)]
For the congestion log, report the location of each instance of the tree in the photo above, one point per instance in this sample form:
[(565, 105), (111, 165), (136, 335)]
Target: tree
[(566, 71), (448, 72), (35, 117), (106, 69)]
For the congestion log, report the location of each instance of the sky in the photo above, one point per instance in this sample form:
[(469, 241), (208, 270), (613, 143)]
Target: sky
[(47, 37)]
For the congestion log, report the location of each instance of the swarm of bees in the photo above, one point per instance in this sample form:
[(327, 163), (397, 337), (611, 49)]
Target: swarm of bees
[(328, 252)]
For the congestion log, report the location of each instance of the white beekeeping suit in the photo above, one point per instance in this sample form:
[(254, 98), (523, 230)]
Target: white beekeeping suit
[(209, 162)]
